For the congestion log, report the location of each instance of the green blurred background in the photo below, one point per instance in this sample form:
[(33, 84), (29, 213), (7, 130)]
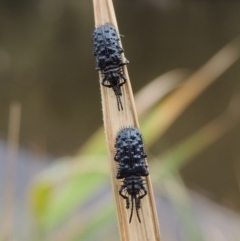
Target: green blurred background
[(59, 179)]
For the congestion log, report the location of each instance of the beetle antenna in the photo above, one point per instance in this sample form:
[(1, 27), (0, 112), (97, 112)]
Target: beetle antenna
[(119, 103), (132, 201), (118, 93), (138, 215)]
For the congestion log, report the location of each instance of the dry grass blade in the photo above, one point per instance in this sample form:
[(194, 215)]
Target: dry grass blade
[(158, 88), (180, 154), (113, 121), (12, 152), (168, 112)]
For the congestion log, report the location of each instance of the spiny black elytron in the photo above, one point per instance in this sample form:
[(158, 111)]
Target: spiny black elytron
[(108, 52), (130, 153), (133, 186)]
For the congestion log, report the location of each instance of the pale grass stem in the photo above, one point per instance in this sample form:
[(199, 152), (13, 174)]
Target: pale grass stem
[(10, 174), (113, 119)]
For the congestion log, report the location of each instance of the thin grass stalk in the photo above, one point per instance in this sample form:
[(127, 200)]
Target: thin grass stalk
[(10, 176), (113, 121)]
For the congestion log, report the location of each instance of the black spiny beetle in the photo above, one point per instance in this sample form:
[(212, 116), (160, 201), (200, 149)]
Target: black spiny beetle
[(108, 52), (130, 155)]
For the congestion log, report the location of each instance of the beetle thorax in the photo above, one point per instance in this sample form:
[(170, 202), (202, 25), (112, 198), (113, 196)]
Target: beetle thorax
[(112, 73)]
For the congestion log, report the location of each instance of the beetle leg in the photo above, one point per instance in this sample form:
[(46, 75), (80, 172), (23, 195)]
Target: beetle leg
[(145, 193), (124, 63), (106, 85), (124, 80), (124, 196)]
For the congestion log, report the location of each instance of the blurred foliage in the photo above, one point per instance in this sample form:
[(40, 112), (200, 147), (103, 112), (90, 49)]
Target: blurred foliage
[(69, 199)]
